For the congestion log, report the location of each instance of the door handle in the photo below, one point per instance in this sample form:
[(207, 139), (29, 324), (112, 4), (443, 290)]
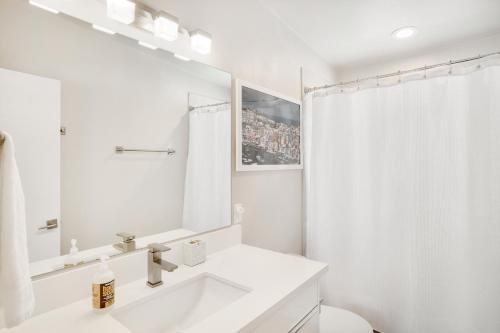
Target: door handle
[(50, 224)]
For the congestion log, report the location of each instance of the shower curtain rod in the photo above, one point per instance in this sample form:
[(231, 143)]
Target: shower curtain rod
[(399, 73), (191, 108)]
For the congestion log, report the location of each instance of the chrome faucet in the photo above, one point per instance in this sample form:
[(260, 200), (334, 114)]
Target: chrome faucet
[(156, 264), (127, 244)]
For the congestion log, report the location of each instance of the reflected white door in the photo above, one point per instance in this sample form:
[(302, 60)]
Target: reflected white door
[(30, 111)]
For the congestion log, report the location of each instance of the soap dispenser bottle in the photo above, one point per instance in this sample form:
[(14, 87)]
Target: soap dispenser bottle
[(103, 286), (73, 258)]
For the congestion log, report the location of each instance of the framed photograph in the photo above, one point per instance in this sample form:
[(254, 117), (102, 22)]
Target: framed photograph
[(268, 129)]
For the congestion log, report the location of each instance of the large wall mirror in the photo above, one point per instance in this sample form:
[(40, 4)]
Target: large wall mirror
[(118, 146)]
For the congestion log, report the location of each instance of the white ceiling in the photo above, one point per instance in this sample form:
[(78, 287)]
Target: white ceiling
[(346, 32)]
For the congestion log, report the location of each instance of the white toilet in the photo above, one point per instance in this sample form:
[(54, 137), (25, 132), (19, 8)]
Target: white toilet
[(335, 320)]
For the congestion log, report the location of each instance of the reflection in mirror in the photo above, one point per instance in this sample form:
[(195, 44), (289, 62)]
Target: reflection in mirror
[(207, 196), (170, 178)]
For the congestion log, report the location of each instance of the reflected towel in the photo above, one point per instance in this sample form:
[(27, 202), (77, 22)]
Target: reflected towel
[(16, 290)]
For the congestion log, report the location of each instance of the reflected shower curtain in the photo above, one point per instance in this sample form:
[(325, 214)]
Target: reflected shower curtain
[(207, 193), (403, 202)]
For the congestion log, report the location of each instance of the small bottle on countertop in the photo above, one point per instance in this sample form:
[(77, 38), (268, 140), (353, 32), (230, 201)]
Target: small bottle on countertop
[(73, 258), (103, 286)]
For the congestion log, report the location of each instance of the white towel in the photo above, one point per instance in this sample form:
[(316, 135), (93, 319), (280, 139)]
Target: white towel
[(16, 290)]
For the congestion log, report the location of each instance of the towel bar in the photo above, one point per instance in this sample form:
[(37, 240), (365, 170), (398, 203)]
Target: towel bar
[(120, 150)]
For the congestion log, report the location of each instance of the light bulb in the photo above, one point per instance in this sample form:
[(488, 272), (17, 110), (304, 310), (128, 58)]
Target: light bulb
[(404, 32), (121, 10), (201, 41), (166, 26)]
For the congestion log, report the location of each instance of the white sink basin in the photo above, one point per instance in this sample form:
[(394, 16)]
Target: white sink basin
[(179, 307)]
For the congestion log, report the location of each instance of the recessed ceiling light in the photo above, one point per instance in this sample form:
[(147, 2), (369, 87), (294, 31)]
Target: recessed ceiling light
[(181, 57), (166, 26), (39, 5), (121, 10), (147, 45), (103, 29), (404, 32), (201, 41)]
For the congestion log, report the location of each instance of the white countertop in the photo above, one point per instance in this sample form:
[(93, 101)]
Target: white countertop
[(271, 276), (57, 263)]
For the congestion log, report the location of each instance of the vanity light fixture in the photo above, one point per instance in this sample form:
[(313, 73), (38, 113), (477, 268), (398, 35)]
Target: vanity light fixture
[(166, 26), (147, 45), (404, 32), (121, 10), (181, 57), (39, 5), (103, 29), (201, 41)]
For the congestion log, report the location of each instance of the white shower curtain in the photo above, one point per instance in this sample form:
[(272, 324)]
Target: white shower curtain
[(207, 192), (403, 202)]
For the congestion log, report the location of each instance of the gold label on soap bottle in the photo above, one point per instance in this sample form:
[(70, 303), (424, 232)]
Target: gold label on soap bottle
[(103, 295)]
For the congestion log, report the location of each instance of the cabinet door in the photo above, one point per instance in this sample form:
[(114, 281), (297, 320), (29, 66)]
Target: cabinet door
[(30, 111), (311, 325), (288, 317)]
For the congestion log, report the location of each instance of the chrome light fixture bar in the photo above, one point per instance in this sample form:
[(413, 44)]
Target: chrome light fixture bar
[(164, 25)]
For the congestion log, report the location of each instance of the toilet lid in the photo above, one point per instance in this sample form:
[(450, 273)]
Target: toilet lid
[(335, 320)]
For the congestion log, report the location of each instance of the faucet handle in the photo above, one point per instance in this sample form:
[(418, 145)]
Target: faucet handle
[(126, 236), (155, 247)]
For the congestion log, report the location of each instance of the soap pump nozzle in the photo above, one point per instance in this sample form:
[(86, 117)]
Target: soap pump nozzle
[(104, 262)]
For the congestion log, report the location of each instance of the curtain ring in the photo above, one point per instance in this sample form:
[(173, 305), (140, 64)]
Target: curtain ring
[(357, 82), (342, 87), (450, 70), (399, 77), (378, 83), (425, 72), (479, 60)]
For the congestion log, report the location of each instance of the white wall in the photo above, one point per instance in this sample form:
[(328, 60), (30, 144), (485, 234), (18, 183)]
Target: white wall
[(113, 93), (254, 46), (445, 53)]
